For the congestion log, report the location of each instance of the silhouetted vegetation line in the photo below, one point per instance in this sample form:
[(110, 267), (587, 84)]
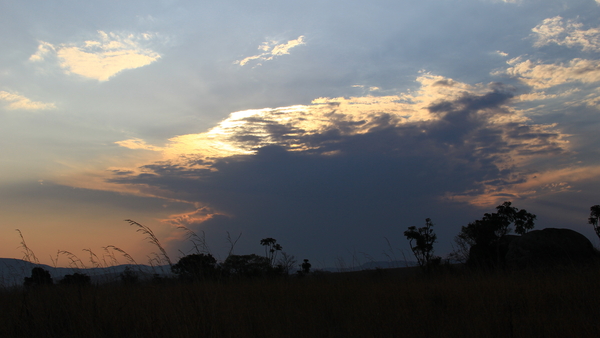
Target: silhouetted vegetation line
[(254, 296)]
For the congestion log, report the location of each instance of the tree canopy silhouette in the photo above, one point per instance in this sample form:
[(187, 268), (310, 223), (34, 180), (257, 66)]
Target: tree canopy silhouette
[(39, 277), (80, 279), (486, 236), (271, 248), (495, 225), (421, 242), (247, 265), (195, 267)]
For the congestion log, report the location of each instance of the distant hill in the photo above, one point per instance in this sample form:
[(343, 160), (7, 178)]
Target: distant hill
[(372, 266), (13, 271)]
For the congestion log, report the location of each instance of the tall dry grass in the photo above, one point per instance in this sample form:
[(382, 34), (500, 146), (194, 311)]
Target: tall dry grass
[(559, 303)]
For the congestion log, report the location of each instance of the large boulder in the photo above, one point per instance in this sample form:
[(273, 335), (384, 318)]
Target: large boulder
[(550, 247)]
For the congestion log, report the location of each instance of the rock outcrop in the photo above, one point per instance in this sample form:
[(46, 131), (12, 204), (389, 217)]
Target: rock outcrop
[(550, 247)]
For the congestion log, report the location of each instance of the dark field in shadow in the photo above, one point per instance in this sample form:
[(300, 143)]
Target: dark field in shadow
[(562, 302)]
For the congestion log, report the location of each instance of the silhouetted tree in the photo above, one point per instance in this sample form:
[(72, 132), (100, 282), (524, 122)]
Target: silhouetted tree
[(305, 267), (421, 243), (271, 248), (247, 266), (495, 225), (76, 279), (196, 267), (593, 220), (39, 277), (487, 238)]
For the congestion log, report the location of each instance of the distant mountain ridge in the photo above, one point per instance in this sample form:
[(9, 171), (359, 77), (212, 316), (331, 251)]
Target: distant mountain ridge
[(373, 265), (13, 271)]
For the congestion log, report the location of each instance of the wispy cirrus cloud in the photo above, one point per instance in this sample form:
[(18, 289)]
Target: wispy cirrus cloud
[(271, 50), (100, 58), (17, 101)]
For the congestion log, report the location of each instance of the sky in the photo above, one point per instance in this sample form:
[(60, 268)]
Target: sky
[(330, 126)]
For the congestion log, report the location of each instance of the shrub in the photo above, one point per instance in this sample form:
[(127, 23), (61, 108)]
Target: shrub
[(39, 277), (76, 279), (195, 267)]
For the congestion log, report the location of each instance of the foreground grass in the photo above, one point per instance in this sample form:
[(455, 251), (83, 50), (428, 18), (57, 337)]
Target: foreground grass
[(561, 303)]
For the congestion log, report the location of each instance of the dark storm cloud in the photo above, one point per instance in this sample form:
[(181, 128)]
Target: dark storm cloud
[(345, 184)]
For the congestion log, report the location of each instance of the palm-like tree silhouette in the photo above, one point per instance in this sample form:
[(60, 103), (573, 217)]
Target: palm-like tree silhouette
[(271, 248)]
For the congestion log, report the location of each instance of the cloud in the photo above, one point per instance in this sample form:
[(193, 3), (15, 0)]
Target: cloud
[(570, 34), (542, 95), (42, 52), (102, 58), (200, 215), (550, 81), (535, 185), (244, 132), (539, 75), (136, 143), (16, 101), (271, 50), (593, 98), (446, 141)]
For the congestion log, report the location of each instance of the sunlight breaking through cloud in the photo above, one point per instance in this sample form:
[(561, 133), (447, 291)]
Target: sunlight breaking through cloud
[(473, 125)]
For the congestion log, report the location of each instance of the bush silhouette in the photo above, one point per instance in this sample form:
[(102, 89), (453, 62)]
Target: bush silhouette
[(247, 266), (80, 279), (39, 277), (195, 267)]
